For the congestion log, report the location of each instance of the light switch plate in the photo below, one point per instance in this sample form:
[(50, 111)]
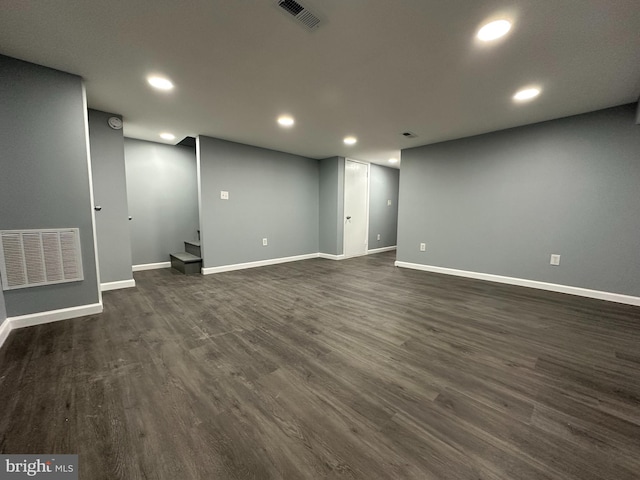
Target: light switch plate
[(555, 259), (224, 195)]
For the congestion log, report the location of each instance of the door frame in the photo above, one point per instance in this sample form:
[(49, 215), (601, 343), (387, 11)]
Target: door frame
[(344, 189)]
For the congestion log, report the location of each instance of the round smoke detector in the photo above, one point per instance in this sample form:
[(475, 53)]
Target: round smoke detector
[(115, 123)]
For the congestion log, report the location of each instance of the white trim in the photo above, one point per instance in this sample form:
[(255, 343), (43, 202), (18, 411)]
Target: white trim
[(522, 282), (201, 237), (260, 263), (366, 238), (54, 315), (5, 330), (91, 197), (105, 287), (380, 250), (150, 266), (330, 256), (32, 319)]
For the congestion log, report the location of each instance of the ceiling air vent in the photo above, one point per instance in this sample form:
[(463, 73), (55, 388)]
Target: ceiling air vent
[(409, 135), (300, 13)]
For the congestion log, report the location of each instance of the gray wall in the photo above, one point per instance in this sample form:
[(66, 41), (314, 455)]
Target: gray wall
[(163, 200), (271, 194), (383, 218), (502, 203), (45, 177), (110, 192), (331, 205)]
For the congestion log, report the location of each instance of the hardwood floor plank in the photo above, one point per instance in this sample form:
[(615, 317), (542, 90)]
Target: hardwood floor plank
[(322, 369)]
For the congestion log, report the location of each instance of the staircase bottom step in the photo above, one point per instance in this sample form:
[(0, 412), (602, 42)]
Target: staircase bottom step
[(186, 263)]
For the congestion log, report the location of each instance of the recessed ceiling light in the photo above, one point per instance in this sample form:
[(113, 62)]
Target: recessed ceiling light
[(286, 121), (526, 94), (494, 30), (167, 136), (393, 160), (160, 83), (350, 140)]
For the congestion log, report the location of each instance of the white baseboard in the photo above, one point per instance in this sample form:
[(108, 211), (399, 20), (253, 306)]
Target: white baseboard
[(32, 319), (369, 252), (552, 287), (150, 266), (380, 250), (105, 287), (330, 256), (54, 315), (260, 263), (5, 330)]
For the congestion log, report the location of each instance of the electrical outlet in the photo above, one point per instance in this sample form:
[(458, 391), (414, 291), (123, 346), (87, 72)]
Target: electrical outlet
[(423, 247), (224, 195), (265, 242), (378, 236), (555, 259)]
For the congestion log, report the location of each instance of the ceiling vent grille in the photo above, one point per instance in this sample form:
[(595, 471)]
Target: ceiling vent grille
[(301, 14), (30, 258)]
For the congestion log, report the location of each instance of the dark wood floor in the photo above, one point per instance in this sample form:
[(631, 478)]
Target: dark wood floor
[(323, 369)]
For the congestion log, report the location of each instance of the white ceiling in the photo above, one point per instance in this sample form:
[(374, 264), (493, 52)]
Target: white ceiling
[(374, 68)]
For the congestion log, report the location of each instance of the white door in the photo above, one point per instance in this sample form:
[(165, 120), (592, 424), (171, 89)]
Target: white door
[(356, 211)]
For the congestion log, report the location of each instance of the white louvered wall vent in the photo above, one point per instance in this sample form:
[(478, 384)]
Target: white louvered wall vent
[(300, 13), (30, 258)]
